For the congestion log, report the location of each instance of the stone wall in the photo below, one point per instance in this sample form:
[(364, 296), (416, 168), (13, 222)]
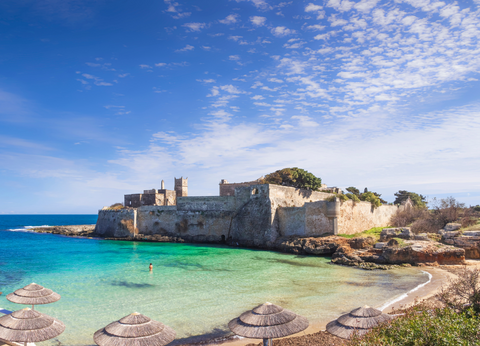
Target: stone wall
[(359, 216), (195, 225), (257, 216), (117, 223), (225, 203), (311, 220), (227, 189)]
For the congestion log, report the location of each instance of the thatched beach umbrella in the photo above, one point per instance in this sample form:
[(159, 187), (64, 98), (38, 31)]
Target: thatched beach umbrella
[(28, 325), (33, 294), (268, 321), (359, 321), (134, 330)]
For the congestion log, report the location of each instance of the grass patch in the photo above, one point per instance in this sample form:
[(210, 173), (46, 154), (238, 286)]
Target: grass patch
[(372, 232), (401, 242), (475, 227)]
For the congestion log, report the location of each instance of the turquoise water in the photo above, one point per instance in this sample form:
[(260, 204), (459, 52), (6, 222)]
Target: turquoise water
[(194, 289)]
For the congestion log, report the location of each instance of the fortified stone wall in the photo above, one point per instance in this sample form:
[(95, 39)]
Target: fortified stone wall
[(310, 220), (258, 215), (194, 225), (359, 216), (117, 223), (225, 203), (284, 196), (228, 189), (251, 224)]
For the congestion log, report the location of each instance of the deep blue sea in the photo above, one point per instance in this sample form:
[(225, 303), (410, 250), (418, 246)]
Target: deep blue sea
[(195, 289)]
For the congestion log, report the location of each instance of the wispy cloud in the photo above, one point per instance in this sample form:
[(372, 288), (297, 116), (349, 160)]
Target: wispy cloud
[(192, 27), (186, 48)]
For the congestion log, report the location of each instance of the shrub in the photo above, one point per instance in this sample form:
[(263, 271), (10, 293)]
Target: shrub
[(463, 292), (116, 206), (294, 177), (352, 197), (424, 326), (370, 197), (427, 224), (430, 221)]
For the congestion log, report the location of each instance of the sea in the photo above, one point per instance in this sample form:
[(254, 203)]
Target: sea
[(195, 289)]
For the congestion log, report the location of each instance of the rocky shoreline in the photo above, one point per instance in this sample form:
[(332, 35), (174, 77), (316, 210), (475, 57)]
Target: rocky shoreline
[(397, 246)]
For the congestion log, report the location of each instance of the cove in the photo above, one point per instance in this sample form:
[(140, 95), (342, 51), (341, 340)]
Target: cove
[(195, 289)]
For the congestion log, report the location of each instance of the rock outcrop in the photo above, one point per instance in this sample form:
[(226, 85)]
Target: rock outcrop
[(73, 230), (467, 240), (427, 252), (399, 232)]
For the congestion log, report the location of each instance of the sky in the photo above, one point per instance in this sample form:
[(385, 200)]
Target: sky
[(103, 98)]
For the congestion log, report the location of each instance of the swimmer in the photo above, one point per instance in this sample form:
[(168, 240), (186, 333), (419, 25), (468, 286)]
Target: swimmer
[(150, 267)]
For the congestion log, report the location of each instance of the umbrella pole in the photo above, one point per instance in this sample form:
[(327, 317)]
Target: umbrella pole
[(33, 308), (267, 342)]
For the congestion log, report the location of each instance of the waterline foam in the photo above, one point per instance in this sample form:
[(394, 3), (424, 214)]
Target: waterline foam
[(405, 295)]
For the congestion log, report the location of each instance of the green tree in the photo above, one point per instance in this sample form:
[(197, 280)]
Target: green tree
[(294, 177), (370, 197), (352, 197), (417, 200), (353, 191)]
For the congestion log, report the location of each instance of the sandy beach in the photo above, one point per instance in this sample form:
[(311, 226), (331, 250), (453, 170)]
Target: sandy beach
[(439, 277)]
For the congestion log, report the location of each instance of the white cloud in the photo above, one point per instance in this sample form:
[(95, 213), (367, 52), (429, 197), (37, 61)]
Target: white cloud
[(186, 48), (340, 5), (257, 20), (305, 121), (235, 38), (366, 5), (161, 64), (230, 19), (281, 31), (315, 27), (145, 66), (192, 27), (234, 57), (257, 97), (231, 89), (173, 8), (275, 80), (313, 8)]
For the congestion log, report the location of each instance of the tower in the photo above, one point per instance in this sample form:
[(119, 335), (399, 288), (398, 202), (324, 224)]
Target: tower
[(181, 187)]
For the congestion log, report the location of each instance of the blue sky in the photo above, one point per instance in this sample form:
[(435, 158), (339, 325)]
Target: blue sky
[(102, 98)]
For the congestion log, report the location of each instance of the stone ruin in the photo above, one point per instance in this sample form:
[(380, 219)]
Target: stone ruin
[(160, 197)]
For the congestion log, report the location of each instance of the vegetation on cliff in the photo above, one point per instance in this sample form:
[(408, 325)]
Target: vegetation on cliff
[(294, 177), (443, 211), (367, 196)]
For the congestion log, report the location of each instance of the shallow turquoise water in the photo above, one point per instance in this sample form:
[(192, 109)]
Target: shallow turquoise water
[(194, 289)]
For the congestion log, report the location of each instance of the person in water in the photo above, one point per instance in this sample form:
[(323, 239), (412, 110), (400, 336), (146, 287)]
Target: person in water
[(150, 267)]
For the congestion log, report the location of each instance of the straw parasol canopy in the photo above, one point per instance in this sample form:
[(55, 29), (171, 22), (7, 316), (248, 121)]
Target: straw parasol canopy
[(134, 330), (268, 321), (33, 294), (359, 321), (28, 325)]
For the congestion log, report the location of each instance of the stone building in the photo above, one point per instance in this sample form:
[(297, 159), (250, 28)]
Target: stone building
[(161, 197), (246, 214)]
